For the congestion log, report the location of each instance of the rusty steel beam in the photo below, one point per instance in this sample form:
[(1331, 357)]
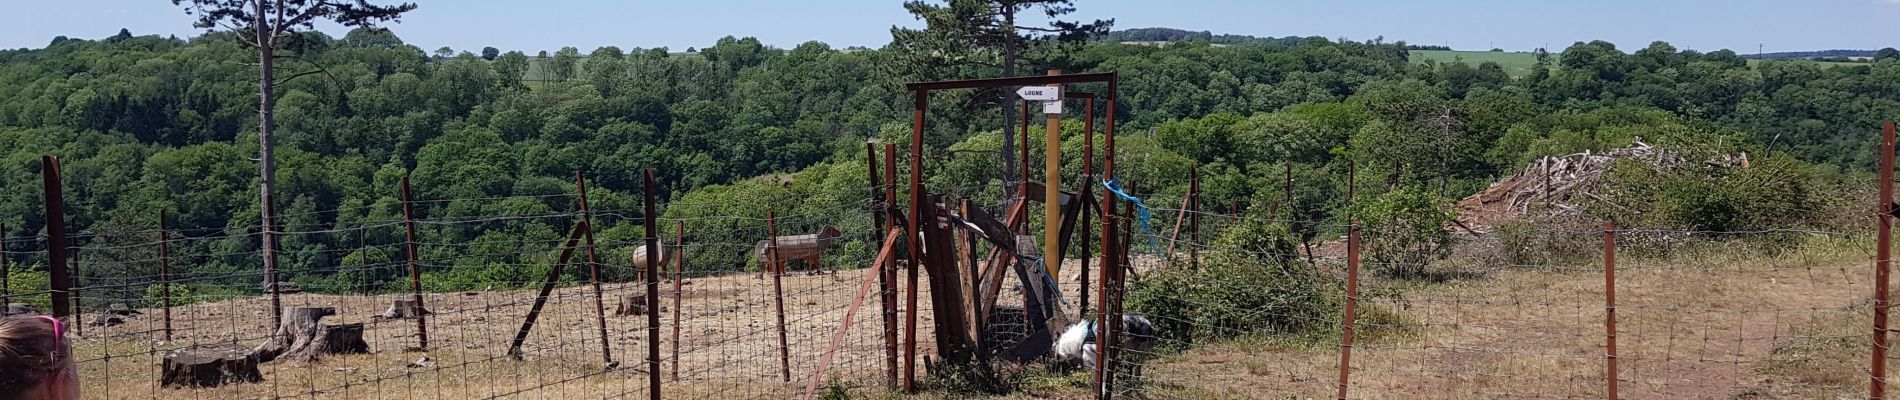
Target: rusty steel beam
[(593, 274), (884, 256), (1032, 80), (547, 289)]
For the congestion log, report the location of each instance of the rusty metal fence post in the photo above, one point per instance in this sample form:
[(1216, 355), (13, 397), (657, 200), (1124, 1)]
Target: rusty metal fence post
[(777, 265), (164, 273), (889, 284), (6, 289), (593, 273), (1352, 299), (78, 285), (1194, 218), (415, 270), (1883, 263), (1609, 305), (1082, 198), (56, 235), (911, 230), (653, 287)]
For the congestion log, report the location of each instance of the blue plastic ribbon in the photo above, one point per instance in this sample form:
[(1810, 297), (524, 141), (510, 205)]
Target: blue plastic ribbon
[(1142, 210), (1048, 279)]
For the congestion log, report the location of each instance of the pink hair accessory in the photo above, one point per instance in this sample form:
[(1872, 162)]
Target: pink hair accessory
[(59, 330)]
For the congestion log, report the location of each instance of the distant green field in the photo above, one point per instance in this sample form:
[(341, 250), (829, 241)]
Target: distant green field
[(1823, 63), (1515, 63), (1520, 63)]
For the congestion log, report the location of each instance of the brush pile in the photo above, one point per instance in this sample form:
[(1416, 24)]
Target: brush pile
[(1559, 186)]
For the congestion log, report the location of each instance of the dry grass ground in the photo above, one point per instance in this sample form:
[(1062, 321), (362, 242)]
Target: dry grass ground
[(1703, 322), (729, 345)]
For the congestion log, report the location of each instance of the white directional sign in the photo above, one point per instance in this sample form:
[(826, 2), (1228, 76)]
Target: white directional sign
[(1040, 93)]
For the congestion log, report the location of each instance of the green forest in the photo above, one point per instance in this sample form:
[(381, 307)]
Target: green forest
[(737, 128)]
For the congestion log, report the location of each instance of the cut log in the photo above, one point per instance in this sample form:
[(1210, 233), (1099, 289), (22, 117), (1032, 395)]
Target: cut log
[(19, 309), (634, 304), (209, 367), (303, 336), (404, 309)]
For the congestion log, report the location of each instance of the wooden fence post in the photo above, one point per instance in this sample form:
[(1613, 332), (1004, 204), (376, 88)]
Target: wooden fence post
[(415, 271), (679, 276), (778, 292), (56, 236)]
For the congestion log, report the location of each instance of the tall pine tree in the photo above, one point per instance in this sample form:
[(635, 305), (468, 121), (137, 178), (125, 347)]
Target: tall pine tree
[(988, 34), (267, 25)]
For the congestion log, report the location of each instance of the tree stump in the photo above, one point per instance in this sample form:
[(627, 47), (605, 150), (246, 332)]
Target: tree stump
[(303, 337), (404, 309), (635, 304), (19, 309), (335, 339), (209, 367)]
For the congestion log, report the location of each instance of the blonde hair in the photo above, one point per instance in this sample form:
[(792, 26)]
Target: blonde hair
[(30, 353)]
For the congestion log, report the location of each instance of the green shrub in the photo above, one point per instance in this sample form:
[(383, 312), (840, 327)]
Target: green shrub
[(1404, 231), (1543, 242), (29, 285), (1773, 192), (1250, 283)]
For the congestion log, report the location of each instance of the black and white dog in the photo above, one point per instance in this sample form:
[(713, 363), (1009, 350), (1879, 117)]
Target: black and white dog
[(1079, 341)]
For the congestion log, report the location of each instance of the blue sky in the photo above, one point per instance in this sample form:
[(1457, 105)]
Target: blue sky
[(1777, 25)]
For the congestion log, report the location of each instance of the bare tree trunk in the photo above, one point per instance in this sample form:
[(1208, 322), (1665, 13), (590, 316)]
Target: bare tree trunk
[(1009, 106), (267, 167)]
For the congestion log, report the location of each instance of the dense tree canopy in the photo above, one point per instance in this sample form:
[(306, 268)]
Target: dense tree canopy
[(147, 123)]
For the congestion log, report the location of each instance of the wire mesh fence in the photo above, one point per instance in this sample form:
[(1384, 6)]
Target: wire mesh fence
[(473, 324), (1521, 311), (1252, 300)]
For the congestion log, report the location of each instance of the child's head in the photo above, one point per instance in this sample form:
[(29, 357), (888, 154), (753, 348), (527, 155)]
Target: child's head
[(35, 361)]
